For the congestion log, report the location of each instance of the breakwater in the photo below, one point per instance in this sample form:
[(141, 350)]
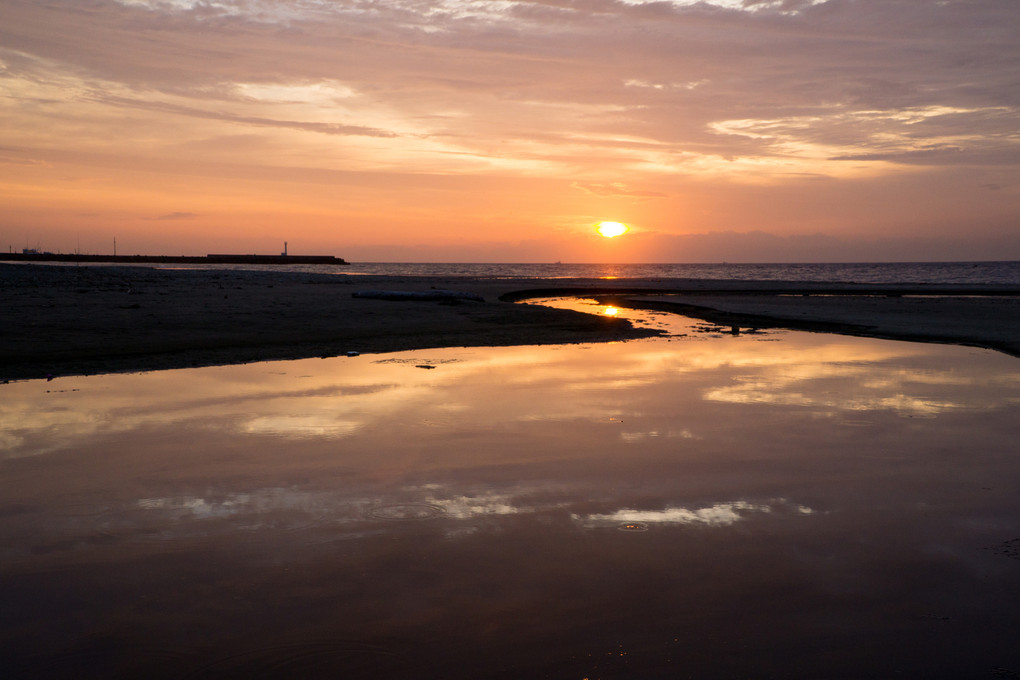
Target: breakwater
[(176, 259)]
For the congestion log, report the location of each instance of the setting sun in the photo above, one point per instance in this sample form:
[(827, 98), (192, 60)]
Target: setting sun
[(612, 229)]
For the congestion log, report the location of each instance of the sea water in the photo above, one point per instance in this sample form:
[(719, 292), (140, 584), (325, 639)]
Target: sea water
[(998, 273), (1004, 273)]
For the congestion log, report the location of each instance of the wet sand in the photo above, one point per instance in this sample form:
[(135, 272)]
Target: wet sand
[(64, 320)]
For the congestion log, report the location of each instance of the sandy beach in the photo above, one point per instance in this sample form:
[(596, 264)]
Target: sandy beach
[(65, 320)]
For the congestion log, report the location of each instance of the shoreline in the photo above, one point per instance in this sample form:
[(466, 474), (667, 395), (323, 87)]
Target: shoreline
[(98, 319)]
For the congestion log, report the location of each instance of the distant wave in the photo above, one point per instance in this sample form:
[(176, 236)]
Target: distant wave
[(1005, 273)]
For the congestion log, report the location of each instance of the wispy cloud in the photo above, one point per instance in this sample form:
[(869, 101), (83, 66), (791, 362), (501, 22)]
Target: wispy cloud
[(178, 216), (194, 112), (615, 189)]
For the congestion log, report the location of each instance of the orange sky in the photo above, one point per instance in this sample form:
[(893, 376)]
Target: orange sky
[(460, 130)]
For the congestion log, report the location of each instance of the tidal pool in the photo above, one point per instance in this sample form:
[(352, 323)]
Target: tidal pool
[(704, 505)]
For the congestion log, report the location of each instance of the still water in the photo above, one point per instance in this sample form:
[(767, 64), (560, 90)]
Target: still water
[(707, 505)]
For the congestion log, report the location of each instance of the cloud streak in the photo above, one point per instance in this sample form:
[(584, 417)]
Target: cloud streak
[(177, 216), (176, 109)]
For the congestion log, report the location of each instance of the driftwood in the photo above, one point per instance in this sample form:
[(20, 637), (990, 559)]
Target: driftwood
[(416, 296)]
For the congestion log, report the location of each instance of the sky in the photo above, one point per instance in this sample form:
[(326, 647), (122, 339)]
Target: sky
[(505, 131)]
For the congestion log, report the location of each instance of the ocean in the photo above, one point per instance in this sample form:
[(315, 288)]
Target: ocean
[(1006, 273), (1003, 273)]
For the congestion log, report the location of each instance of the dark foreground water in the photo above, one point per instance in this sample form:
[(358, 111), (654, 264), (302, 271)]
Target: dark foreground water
[(709, 505)]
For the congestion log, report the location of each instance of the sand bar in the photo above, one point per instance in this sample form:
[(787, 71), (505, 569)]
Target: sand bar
[(67, 320)]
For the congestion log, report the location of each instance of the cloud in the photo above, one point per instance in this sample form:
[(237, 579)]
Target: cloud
[(165, 107), (614, 189), (980, 154), (13, 160), (697, 104), (660, 80), (177, 216)]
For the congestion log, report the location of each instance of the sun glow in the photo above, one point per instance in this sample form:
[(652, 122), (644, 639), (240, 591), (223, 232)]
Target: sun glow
[(612, 229)]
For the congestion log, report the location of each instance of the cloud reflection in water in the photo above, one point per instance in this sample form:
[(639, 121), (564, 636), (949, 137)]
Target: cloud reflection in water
[(338, 509), (717, 515)]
